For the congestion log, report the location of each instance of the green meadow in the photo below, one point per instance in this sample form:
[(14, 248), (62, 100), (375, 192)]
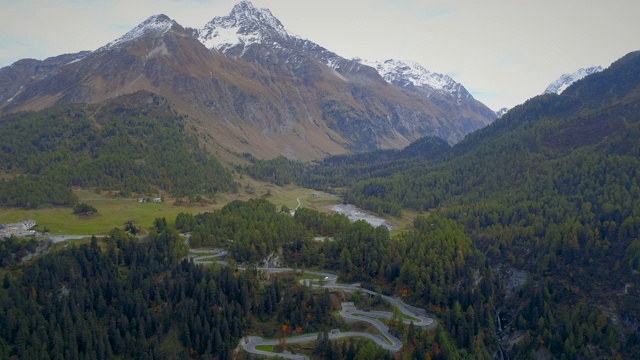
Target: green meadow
[(113, 212), (116, 211)]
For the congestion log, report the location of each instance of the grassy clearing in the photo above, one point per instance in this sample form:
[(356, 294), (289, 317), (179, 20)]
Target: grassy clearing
[(286, 195), (404, 316), (403, 223), (301, 276), (265, 348), (199, 254)]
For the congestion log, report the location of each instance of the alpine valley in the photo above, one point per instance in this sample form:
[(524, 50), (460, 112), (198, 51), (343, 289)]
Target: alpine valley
[(206, 162)]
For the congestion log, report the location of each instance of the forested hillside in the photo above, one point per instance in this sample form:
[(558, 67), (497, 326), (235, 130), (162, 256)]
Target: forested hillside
[(345, 170), (129, 299), (434, 266), (551, 188), (135, 143)]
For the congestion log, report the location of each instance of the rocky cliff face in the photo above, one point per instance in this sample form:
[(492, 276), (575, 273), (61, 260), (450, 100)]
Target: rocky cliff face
[(248, 85)]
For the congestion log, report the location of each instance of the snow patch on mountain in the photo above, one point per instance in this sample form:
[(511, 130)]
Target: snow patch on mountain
[(245, 25), (564, 81), (409, 72), (156, 24)]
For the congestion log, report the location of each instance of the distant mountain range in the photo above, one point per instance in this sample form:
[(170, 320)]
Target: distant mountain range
[(247, 85)]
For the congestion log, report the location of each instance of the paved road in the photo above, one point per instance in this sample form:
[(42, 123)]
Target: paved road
[(61, 238), (350, 313), (330, 282), (206, 259)]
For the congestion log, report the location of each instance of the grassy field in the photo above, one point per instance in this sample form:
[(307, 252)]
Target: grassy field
[(113, 212), (287, 195), (116, 211), (265, 348)]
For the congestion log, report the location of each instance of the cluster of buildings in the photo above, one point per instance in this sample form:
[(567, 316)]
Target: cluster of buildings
[(21, 229), (156, 200)]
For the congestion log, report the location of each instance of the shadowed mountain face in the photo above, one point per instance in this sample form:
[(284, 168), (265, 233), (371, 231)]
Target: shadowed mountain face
[(247, 85)]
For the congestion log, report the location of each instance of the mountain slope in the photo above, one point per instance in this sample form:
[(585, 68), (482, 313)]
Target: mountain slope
[(14, 78), (135, 142), (386, 116)]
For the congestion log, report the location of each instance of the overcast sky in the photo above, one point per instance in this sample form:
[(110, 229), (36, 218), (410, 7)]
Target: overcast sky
[(502, 51)]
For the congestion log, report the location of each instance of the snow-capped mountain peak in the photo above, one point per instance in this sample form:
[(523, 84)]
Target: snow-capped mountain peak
[(245, 25), (566, 80), (406, 73), (156, 24)]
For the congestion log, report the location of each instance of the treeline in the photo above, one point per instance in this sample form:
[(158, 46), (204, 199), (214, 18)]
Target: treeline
[(135, 143)]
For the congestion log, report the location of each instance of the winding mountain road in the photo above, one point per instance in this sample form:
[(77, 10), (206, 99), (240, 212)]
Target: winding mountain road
[(348, 311)]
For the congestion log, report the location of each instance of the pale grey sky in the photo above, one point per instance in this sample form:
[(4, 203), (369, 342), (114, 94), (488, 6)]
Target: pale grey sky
[(502, 51)]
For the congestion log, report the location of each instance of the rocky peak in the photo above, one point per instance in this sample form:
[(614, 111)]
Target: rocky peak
[(156, 25), (245, 25)]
